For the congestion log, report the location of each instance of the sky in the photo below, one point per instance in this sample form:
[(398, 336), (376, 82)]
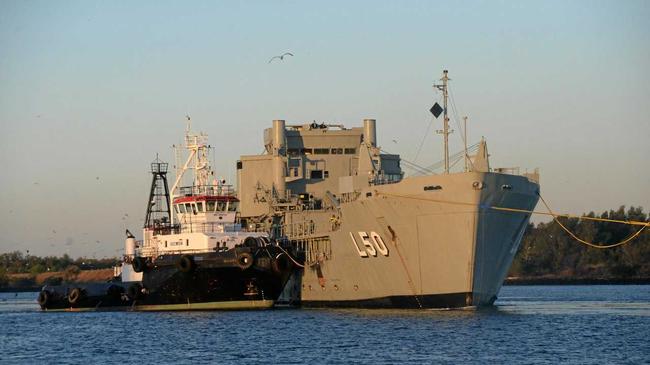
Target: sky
[(90, 91)]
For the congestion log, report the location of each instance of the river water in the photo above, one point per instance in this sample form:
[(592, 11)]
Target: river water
[(597, 324)]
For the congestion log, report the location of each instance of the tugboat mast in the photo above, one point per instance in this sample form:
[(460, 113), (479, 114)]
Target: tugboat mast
[(445, 131)]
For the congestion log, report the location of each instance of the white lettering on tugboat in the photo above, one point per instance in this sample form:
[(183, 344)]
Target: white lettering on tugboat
[(371, 244)]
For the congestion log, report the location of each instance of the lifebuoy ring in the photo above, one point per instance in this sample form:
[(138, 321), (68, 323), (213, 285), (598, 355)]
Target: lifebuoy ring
[(186, 264), (75, 296), (139, 264), (135, 291), (245, 260), (43, 298), (282, 263)]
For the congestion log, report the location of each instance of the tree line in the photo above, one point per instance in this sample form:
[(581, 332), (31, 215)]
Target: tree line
[(547, 250), (17, 262)]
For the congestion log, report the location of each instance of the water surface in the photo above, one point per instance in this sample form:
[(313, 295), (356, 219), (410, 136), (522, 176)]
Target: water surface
[(529, 324)]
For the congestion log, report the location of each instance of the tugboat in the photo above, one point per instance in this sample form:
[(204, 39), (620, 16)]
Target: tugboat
[(195, 255)]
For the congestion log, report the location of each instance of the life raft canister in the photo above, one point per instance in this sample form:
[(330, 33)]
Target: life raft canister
[(186, 264)]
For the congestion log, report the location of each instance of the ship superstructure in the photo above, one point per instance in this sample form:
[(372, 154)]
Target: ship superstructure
[(373, 237)]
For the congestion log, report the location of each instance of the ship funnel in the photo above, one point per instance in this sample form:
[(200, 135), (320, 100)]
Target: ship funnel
[(129, 246), (369, 132), (279, 173), (278, 134)]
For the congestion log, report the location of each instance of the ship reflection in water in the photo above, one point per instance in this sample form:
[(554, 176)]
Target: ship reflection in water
[(528, 324)]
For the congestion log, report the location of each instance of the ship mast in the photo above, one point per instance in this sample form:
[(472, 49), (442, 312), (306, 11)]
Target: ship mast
[(445, 131), (197, 160)]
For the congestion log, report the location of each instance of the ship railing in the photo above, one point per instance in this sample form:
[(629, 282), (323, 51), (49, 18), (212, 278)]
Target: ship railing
[(349, 197), (306, 230), (207, 190), (530, 175), (159, 229), (210, 227), (386, 179), (187, 251)]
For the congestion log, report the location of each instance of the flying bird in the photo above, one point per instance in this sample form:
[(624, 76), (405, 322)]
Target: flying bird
[(281, 57)]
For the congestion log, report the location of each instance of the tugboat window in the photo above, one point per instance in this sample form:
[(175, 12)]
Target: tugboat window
[(211, 206), (180, 208), (199, 206), (232, 206), (221, 206)]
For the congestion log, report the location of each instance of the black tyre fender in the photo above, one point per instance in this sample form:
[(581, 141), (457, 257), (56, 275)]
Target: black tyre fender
[(139, 264), (251, 242), (186, 264), (43, 298), (134, 291), (245, 260), (75, 296), (282, 263), (114, 291)]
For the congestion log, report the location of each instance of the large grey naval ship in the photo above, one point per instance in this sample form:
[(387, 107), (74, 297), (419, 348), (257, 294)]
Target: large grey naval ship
[(371, 236)]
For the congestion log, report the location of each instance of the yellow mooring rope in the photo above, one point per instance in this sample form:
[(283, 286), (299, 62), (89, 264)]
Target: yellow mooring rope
[(590, 244), (643, 225)]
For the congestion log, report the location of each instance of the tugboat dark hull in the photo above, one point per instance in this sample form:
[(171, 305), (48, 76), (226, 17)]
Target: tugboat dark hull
[(239, 278)]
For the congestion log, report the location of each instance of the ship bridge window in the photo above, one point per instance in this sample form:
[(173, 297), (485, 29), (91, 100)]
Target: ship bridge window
[(321, 151), (199, 206), (221, 206), (306, 151), (210, 206), (232, 206), (316, 174), (337, 151), (350, 151), (189, 208), (180, 208)]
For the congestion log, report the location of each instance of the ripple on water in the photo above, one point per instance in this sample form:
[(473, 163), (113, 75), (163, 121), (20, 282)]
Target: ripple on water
[(599, 324)]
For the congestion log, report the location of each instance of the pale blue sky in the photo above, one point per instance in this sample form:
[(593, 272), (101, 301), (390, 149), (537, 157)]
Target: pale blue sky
[(94, 89)]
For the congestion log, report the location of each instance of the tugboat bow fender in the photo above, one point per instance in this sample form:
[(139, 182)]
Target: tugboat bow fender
[(186, 264), (75, 295), (245, 260)]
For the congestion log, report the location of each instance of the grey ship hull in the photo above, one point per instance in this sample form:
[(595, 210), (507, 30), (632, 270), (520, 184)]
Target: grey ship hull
[(425, 242)]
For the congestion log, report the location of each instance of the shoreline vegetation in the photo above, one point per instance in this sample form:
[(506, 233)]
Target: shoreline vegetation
[(547, 256)]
